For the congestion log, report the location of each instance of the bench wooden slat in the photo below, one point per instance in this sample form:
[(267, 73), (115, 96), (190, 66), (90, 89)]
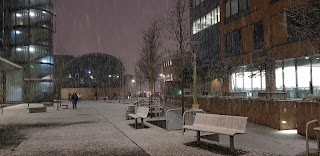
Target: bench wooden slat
[(230, 122), (220, 124), (219, 130)]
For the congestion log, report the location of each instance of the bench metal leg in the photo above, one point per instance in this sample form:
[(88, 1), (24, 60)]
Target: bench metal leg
[(198, 137), (142, 126), (231, 144), (136, 123)]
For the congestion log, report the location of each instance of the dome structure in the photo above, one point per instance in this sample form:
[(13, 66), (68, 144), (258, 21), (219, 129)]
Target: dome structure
[(93, 70)]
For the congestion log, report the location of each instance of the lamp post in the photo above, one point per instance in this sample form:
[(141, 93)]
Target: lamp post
[(194, 45), (133, 82), (162, 88)]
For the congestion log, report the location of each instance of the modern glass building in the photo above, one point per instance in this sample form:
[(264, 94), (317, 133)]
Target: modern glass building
[(250, 33), (27, 41)]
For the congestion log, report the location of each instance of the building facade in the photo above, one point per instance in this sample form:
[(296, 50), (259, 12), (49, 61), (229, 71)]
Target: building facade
[(94, 70), (169, 81), (258, 32), (27, 40)]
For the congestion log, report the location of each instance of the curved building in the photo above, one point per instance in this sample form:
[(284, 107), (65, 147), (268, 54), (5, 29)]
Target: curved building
[(93, 70), (27, 41)]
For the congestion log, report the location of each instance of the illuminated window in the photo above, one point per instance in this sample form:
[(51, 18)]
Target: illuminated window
[(218, 13), (233, 7), (279, 80), (209, 18), (213, 17), (198, 25), (203, 23), (194, 29)]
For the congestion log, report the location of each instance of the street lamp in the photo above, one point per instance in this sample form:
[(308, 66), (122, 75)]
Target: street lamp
[(194, 46), (162, 89), (133, 83)]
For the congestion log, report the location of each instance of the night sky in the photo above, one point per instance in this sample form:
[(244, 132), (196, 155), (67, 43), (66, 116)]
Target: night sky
[(107, 26)]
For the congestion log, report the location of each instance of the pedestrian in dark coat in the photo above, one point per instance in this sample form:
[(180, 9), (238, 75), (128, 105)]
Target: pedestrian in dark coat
[(74, 99)]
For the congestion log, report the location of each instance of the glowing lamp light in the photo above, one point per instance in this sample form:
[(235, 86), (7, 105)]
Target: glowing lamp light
[(284, 122), (32, 14), (18, 32), (19, 49), (18, 15), (133, 81), (306, 58), (91, 77), (288, 132), (110, 76), (31, 49), (89, 72), (44, 61)]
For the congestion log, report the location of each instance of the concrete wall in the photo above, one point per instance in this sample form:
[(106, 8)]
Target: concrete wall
[(89, 93), (307, 111)]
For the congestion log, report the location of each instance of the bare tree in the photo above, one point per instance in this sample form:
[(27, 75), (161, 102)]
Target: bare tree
[(203, 70), (58, 71), (150, 58), (139, 76), (178, 26), (304, 21)]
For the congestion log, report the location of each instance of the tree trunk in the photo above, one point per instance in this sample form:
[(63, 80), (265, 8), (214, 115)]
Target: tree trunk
[(182, 98), (150, 97)]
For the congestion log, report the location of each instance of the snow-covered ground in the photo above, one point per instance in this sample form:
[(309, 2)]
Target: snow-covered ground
[(100, 128)]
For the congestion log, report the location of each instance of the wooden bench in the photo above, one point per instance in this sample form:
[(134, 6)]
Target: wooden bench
[(130, 110), (37, 109), (66, 106), (141, 113), (220, 124), (47, 104)]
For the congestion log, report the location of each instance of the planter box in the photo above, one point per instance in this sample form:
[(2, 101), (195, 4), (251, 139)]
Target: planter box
[(279, 115), (307, 111)]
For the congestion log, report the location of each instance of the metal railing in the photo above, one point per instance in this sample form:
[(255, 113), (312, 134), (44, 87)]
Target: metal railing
[(193, 111), (307, 138)]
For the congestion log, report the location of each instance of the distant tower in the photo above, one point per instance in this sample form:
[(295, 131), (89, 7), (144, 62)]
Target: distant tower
[(27, 41)]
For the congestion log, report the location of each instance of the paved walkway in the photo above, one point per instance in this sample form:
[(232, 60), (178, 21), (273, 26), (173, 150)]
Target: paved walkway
[(100, 128)]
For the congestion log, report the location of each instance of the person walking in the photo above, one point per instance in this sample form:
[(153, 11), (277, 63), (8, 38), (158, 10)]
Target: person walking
[(74, 99)]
